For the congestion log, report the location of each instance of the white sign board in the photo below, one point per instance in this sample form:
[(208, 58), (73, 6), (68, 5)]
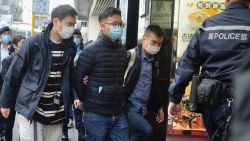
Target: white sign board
[(192, 13), (40, 6)]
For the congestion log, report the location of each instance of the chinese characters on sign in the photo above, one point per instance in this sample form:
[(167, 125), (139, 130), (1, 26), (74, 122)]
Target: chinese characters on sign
[(192, 13), (210, 5), (186, 37)]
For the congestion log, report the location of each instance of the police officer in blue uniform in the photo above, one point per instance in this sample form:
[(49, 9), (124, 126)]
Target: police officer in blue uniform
[(217, 48)]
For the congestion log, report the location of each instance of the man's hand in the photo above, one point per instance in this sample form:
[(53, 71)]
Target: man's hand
[(78, 105), (160, 116), (85, 80), (5, 112), (174, 111)]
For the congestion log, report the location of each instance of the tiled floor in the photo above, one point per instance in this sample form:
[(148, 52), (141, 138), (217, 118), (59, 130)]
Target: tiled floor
[(185, 138), (73, 136)]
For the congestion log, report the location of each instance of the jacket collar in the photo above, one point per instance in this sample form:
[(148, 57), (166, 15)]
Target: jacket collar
[(236, 5), (138, 49)]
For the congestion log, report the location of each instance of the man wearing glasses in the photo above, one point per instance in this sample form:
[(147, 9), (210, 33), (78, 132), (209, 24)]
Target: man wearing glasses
[(104, 62)]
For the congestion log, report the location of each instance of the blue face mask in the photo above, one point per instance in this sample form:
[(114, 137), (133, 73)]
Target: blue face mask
[(6, 39), (77, 41), (115, 32)]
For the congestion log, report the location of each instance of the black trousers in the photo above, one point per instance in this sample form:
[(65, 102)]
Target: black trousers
[(212, 118), (6, 125)]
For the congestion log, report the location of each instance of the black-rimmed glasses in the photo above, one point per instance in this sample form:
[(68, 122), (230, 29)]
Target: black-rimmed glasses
[(122, 25)]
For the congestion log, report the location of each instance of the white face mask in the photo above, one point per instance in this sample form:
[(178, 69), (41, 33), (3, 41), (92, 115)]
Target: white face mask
[(67, 32), (152, 50)]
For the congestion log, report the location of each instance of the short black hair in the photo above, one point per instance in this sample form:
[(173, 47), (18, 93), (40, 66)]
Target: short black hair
[(109, 12), (155, 29), (4, 29), (245, 1), (63, 11), (77, 32)]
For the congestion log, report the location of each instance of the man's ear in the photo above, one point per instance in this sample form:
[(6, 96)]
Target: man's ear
[(227, 1), (55, 21), (102, 24), (143, 39)]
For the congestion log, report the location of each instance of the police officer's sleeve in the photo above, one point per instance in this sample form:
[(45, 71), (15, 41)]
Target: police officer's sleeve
[(188, 65)]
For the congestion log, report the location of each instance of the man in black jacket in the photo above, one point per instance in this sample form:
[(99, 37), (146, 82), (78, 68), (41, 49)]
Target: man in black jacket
[(142, 86), (104, 62), (41, 70)]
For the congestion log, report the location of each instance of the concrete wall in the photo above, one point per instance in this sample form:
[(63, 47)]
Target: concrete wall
[(93, 27), (93, 24), (12, 7)]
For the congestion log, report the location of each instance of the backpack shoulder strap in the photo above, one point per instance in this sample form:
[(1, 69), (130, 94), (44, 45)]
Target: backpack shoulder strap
[(37, 43), (131, 62), (37, 40)]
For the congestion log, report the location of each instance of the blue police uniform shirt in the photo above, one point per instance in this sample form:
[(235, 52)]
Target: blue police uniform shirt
[(141, 93)]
